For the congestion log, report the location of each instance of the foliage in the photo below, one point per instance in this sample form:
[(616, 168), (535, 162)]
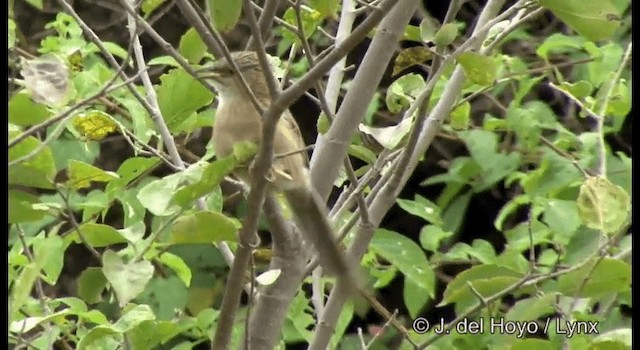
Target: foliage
[(150, 275)]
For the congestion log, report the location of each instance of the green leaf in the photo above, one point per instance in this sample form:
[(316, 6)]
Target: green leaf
[(38, 171), (482, 145), (405, 255), (91, 284), (391, 136), (128, 171), (180, 96), (94, 125), (579, 89), (622, 338), (49, 254), (149, 6), (410, 57), (559, 43), (595, 20), (428, 29), (327, 8), (23, 111), (431, 237), (12, 33), (134, 317), (532, 344), (500, 276), (100, 337), (362, 153), (403, 91), (603, 206), (154, 196), (584, 244), (165, 296), (192, 47), (461, 116), (446, 35), (164, 61), (608, 276), (64, 150), (311, 19), (127, 279), (414, 297), (268, 277), (480, 69), (212, 174), (423, 208), (178, 266), (224, 13), (96, 235), (22, 287), (36, 3), (532, 308), (82, 174), (562, 217), (21, 207), (204, 227)]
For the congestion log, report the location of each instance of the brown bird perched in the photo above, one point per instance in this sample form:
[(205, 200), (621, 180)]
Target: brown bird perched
[(238, 120)]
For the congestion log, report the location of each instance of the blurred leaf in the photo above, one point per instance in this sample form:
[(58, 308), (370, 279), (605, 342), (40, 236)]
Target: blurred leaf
[(82, 174), (148, 6), (446, 35), (38, 171), (96, 235), (414, 297), (428, 29), (192, 47), (579, 89), (224, 13), (204, 227), (164, 60), (461, 116), (212, 174), (311, 19), (21, 207), (615, 339), (154, 196), (559, 43), (327, 8), (562, 217), (179, 96), (91, 284), (603, 206), (410, 57), (597, 277), (268, 277), (481, 277), (403, 91), (23, 111), (532, 344), (391, 136), (94, 125), (127, 279), (405, 255), (480, 69), (130, 170), (12, 33), (49, 254), (178, 266), (423, 208), (532, 308), (596, 20)]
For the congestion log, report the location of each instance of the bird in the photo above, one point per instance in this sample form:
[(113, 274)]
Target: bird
[(238, 120)]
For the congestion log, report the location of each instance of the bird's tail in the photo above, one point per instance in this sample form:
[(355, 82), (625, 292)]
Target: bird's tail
[(311, 218)]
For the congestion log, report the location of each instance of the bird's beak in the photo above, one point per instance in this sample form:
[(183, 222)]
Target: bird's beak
[(208, 73)]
